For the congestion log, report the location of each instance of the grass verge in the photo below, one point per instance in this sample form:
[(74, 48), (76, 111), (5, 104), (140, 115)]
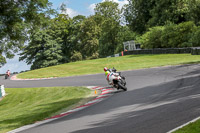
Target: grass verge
[(191, 128), (129, 62), (24, 106)]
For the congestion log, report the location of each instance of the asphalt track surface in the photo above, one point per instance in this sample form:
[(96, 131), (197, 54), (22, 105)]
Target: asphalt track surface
[(157, 101)]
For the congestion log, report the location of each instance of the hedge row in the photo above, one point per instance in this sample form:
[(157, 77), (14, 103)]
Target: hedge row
[(171, 36)]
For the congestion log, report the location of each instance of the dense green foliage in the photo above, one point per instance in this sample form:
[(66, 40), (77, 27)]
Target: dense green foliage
[(144, 14), (109, 14), (17, 19), (47, 45), (137, 14), (171, 36), (61, 39), (71, 39), (195, 37)]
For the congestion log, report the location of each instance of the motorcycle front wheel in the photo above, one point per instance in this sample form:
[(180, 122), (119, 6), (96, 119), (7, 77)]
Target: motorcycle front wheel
[(122, 86)]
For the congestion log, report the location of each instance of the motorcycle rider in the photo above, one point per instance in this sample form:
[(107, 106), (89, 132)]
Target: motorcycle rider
[(8, 73), (115, 78), (108, 74)]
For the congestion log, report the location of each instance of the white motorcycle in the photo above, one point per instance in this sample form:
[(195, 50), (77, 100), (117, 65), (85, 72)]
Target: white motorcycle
[(117, 80)]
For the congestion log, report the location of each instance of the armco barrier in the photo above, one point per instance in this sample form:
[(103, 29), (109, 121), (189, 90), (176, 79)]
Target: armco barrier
[(195, 51), (2, 91), (160, 51)]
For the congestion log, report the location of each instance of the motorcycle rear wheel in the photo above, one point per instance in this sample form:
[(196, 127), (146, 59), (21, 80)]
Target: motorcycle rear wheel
[(6, 76)]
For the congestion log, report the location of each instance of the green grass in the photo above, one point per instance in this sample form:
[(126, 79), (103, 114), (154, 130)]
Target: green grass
[(191, 128), (120, 63), (24, 106)]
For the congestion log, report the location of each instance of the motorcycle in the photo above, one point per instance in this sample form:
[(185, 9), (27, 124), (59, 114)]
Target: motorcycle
[(117, 80), (6, 76)]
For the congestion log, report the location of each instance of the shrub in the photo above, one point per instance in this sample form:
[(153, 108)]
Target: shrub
[(170, 36), (152, 38), (195, 38), (94, 56), (175, 36), (77, 56)]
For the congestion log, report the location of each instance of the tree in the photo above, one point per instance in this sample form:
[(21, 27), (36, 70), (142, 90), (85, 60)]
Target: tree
[(42, 51), (108, 16), (89, 35), (17, 19), (144, 14), (194, 11), (74, 38), (174, 11), (137, 14), (2, 61), (60, 32), (50, 56), (48, 46)]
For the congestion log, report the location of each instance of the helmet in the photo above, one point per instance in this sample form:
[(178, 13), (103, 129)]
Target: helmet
[(105, 68)]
